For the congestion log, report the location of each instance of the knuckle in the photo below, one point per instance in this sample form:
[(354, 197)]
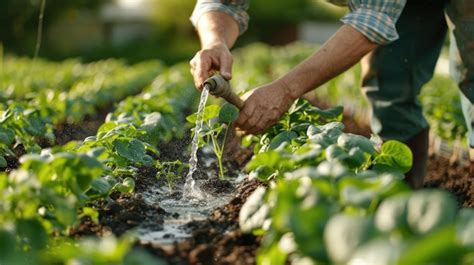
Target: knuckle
[(204, 53)]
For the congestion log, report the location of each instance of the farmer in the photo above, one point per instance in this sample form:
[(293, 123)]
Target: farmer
[(402, 40)]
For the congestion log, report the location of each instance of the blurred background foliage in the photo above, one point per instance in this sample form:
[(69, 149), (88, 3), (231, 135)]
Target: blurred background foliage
[(137, 30)]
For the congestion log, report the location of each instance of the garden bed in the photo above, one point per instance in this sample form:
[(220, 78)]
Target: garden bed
[(217, 238)]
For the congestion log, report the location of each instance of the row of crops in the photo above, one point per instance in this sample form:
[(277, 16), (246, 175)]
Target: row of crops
[(339, 198), (38, 96), (331, 197), (53, 188)]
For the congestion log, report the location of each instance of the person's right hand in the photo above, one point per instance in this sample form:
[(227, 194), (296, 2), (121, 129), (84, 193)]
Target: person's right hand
[(215, 57)]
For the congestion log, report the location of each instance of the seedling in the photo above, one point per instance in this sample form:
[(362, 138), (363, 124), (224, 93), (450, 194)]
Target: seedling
[(170, 171), (216, 121)]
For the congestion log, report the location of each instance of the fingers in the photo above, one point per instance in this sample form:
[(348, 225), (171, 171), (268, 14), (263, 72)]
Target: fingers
[(250, 120), (245, 114), (208, 60), (226, 66), (200, 68)]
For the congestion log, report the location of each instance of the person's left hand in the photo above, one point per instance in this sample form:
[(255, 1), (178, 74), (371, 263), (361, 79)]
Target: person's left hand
[(264, 107)]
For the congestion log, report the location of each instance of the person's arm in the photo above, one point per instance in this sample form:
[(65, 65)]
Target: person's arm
[(267, 103), (218, 26), (369, 24), (342, 51), (218, 33)]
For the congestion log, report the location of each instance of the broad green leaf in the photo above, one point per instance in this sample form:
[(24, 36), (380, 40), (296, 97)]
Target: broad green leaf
[(3, 162), (255, 212), (438, 247), (7, 245), (343, 234), (101, 185), (152, 127), (210, 112), (465, 227), (349, 141), (268, 159), (394, 155), (271, 253), (35, 126), (33, 232), (283, 137), (333, 169), (106, 127), (334, 151), (380, 251), (127, 186), (98, 152), (330, 114), (307, 219), (392, 213), (355, 158), (133, 150), (429, 210), (228, 113), (7, 136)]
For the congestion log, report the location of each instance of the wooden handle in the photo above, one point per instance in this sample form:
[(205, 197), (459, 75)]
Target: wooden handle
[(219, 87)]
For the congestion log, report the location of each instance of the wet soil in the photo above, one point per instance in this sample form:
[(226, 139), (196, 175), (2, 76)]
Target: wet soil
[(119, 214), (216, 240)]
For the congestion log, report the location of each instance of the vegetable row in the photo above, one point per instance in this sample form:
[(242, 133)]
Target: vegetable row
[(28, 121), (52, 191), (339, 198)]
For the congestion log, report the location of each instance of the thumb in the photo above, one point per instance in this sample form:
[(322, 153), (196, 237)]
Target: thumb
[(226, 66)]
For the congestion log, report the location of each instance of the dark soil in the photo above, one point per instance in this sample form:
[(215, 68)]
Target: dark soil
[(66, 131), (451, 177), (123, 212), (216, 240), (13, 162)]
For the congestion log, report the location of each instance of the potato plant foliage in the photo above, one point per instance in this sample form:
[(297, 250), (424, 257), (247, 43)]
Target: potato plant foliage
[(340, 198), (53, 188), (331, 197)]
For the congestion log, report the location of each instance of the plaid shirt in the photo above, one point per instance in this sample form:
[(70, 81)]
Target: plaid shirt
[(374, 18)]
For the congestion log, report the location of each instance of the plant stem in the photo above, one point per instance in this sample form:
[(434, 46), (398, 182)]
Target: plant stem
[(218, 152)]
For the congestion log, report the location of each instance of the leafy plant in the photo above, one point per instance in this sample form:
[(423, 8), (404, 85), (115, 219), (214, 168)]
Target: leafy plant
[(170, 171), (212, 129)]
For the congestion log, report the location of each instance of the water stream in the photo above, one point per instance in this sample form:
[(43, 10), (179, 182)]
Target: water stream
[(193, 205), (191, 191)]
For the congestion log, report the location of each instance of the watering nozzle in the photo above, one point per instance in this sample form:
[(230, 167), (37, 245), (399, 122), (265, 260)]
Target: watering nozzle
[(219, 87)]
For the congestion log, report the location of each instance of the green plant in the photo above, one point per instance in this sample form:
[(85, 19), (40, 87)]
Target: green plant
[(211, 130), (170, 171)]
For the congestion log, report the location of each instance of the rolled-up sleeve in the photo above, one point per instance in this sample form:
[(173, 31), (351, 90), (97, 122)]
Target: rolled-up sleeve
[(237, 9), (375, 18)]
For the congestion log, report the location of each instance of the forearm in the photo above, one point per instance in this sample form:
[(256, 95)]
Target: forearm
[(343, 50), (217, 28)]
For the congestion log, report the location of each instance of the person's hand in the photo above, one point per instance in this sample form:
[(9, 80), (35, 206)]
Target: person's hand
[(215, 57), (264, 107)]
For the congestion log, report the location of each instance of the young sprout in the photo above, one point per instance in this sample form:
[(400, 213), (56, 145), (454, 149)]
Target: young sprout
[(216, 121)]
